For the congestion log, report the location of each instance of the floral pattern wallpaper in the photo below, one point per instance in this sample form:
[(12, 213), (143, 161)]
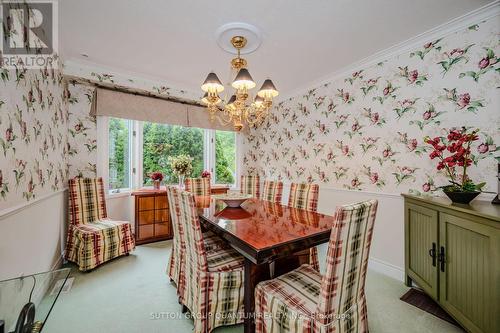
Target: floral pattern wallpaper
[(33, 134), (82, 132), (115, 79), (366, 131)]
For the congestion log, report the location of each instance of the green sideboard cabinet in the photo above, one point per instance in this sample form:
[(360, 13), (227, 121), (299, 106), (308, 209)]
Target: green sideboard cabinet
[(452, 252)]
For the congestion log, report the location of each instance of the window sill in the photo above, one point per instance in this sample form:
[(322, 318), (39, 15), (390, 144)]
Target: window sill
[(122, 194)]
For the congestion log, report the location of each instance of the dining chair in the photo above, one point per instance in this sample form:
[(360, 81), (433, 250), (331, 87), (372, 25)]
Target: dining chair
[(305, 196), (92, 237), (198, 186), (250, 185), (214, 287), (176, 265), (273, 190), (303, 300)]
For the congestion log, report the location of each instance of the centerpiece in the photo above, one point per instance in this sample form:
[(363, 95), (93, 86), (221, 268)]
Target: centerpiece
[(233, 199), (181, 166), (156, 177), (457, 145)]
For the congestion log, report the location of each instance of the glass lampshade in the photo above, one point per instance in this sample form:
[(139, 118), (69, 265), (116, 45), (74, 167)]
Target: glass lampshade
[(243, 80), (268, 90), (212, 84)]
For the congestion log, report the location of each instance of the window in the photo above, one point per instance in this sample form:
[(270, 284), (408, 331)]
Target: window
[(225, 157), (119, 154), (161, 141), (131, 150)]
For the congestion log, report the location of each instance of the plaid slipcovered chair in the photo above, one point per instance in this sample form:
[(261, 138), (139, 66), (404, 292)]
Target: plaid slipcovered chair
[(306, 302), (273, 191), (176, 266), (305, 196), (214, 288), (250, 185), (93, 238), (198, 186)]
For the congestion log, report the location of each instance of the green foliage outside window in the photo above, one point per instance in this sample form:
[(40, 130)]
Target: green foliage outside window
[(225, 157), (119, 155), (161, 141)]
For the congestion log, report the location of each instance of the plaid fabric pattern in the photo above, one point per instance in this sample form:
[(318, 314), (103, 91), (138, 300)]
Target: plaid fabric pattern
[(198, 186), (250, 185), (93, 238), (214, 279), (305, 196), (86, 200), (273, 190), (176, 266), (305, 301)]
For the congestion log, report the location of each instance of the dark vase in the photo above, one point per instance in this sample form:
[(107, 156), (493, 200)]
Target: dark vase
[(461, 197)]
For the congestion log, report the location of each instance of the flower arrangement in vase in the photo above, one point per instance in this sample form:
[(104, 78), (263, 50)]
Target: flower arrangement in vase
[(457, 145), (181, 166), (206, 174), (156, 177)]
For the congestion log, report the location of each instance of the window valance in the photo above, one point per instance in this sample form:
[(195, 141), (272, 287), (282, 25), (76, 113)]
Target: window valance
[(106, 102)]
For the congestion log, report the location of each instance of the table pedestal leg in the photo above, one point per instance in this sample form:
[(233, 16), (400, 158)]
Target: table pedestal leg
[(253, 275)]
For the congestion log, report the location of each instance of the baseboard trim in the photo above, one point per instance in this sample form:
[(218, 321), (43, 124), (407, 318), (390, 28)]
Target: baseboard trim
[(387, 269), (59, 262)]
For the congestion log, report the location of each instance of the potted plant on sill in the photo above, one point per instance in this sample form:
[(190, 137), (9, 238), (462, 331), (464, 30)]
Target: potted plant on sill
[(457, 145), (181, 166), (157, 178)]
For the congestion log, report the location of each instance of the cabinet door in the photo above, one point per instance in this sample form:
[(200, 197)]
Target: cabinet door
[(421, 233), (469, 279)]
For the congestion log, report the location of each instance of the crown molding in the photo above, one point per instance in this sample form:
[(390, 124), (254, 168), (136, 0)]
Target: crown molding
[(82, 68), (459, 23)]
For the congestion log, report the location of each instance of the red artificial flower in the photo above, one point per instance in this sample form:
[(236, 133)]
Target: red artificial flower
[(156, 176)]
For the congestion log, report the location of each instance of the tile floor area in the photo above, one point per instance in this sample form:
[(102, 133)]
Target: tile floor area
[(133, 295)]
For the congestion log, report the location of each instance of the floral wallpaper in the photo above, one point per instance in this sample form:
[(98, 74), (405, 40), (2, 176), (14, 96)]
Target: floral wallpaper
[(115, 79), (366, 131), (33, 129), (82, 132)]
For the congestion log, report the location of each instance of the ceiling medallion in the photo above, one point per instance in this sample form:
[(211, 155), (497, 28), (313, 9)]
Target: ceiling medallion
[(240, 107)]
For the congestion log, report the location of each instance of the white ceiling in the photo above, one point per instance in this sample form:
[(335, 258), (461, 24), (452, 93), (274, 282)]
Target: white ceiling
[(303, 40)]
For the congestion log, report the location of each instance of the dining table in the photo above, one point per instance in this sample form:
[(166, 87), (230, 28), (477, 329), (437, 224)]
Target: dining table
[(263, 232)]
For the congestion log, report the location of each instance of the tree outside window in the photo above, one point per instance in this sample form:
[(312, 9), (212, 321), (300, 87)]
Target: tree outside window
[(119, 153), (161, 141), (225, 157)]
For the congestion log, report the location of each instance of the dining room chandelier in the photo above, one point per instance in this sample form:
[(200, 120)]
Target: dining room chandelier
[(240, 107)]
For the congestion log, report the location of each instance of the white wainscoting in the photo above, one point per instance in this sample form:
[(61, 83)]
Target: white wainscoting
[(32, 237), (387, 251)]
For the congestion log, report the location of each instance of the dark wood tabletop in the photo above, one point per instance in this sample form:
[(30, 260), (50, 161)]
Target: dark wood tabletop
[(263, 232)]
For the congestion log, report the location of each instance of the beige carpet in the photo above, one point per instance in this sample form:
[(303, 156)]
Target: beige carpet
[(133, 295)]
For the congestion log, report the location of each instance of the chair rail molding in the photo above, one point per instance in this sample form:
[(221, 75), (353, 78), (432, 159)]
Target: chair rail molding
[(13, 210)]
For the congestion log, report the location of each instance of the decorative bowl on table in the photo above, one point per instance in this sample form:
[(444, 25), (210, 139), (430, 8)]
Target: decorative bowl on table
[(233, 199)]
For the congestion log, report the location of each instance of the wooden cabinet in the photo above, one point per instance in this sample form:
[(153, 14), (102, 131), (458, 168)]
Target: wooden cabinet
[(453, 253), (152, 216)]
